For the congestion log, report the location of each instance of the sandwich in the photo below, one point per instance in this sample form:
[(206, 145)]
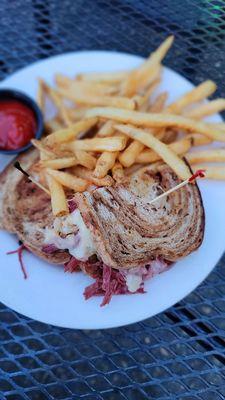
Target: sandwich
[(114, 234)]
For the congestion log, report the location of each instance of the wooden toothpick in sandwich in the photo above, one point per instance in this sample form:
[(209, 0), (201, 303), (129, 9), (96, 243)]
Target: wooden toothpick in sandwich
[(30, 177), (200, 173)]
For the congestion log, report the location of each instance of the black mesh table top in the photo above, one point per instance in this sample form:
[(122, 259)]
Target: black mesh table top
[(178, 354)]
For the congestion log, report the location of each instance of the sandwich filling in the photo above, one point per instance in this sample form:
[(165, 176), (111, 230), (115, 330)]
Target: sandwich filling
[(70, 233)]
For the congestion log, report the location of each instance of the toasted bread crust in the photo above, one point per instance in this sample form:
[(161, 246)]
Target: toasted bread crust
[(128, 231), (26, 210)]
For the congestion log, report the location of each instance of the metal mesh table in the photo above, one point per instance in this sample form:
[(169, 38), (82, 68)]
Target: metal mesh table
[(180, 353)]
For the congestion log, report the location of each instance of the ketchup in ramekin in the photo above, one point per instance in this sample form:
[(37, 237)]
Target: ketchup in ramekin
[(20, 121)]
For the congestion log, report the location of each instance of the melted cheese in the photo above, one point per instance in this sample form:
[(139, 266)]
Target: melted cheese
[(133, 282), (78, 240)]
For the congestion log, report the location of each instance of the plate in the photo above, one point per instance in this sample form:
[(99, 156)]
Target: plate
[(52, 296)]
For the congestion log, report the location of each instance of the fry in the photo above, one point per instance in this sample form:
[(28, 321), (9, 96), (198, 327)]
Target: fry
[(39, 145), (53, 125), (59, 163), (58, 103), (159, 103), (160, 148), (144, 102), (198, 139), (86, 174), (85, 87), (115, 143), (204, 110), (156, 120), (58, 198), (217, 173), (41, 96), (68, 134), (199, 93), (149, 156), (75, 114), (139, 77), (95, 100), (112, 77), (118, 172), (68, 180), (129, 155), (107, 129), (85, 159), (104, 164), (212, 155)]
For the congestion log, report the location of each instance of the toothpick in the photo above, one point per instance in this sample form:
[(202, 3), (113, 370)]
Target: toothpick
[(198, 174), (18, 166)]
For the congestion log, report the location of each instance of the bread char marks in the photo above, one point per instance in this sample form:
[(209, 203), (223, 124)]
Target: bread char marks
[(129, 231)]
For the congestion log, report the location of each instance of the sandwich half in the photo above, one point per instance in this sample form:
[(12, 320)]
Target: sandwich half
[(112, 233)]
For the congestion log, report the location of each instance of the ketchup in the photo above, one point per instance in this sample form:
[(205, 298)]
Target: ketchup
[(17, 124)]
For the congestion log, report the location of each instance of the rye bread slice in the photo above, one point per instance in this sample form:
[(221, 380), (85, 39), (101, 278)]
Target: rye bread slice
[(128, 232)]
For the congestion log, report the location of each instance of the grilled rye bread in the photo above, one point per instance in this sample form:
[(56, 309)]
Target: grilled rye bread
[(128, 232), (26, 210)]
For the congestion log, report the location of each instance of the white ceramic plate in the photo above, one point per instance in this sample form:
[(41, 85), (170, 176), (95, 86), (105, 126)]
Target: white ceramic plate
[(55, 297)]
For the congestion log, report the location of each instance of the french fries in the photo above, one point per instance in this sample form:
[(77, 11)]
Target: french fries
[(170, 158), (107, 77), (85, 159), (157, 120), (107, 129), (104, 163), (68, 180), (217, 173), (68, 134), (149, 156), (88, 175), (115, 143), (199, 93), (59, 163), (118, 172), (80, 97), (129, 155), (58, 198), (107, 102), (212, 155), (204, 110)]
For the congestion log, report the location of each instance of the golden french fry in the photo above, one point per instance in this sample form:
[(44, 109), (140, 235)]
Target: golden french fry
[(111, 77), (71, 133), (40, 146), (59, 163), (114, 143), (198, 139), (68, 180), (85, 86), (58, 198), (104, 163), (147, 71), (156, 120), (204, 110), (129, 155), (199, 93), (219, 125), (53, 125), (58, 102), (143, 103), (149, 156), (217, 173), (118, 172), (95, 100), (84, 173), (85, 159), (159, 103), (202, 156), (76, 114), (41, 96), (107, 129), (160, 148)]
